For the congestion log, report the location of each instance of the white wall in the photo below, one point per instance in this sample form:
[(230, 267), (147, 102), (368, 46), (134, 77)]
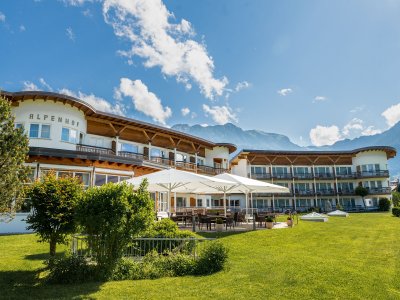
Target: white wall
[(217, 152), (371, 157), (55, 114), (241, 168)]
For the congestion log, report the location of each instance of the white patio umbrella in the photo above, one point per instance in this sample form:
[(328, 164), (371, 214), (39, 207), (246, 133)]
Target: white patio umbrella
[(249, 186), (172, 180), (242, 185)]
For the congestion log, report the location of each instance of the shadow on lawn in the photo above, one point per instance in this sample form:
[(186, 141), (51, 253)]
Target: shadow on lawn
[(26, 284), (43, 256), (220, 234)]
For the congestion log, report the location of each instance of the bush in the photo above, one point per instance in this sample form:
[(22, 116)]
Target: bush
[(212, 259), (71, 269), (396, 199), (166, 228), (396, 211), (384, 204)]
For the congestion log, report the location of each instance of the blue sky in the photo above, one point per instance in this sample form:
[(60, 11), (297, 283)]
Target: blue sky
[(316, 71)]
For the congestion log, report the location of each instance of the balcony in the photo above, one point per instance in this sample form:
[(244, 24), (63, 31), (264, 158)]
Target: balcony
[(326, 192), (324, 175), (304, 192), (346, 192), (261, 176), (282, 176), (303, 176), (365, 174), (346, 175), (379, 191), (93, 149), (162, 161)]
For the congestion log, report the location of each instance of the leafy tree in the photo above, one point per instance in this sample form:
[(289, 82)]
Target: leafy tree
[(13, 153), (361, 191), (54, 202), (112, 215), (396, 199)]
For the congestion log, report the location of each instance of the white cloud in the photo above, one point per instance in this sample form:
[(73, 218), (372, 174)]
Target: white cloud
[(285, 92), (87, 13), (2, 17), (185, 111), (242, 85), (70, 34), (144, 100), (22, 28), (45, 84), (370, 130), (357, 109), (220, 114), (324, 135), (97, 102), (77, 2), (355, 125), (392, 114), (320, 99), (161, 43), (29, 86)]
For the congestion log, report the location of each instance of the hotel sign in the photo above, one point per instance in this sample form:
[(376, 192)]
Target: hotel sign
[(59, 119)]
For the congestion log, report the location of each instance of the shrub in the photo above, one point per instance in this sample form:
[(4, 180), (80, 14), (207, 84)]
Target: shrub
[(111, 215), (166, 228), (269, 219), (71, 269), (212, 259), (396, 211), (396, 198), (384, 204), (127, 269)]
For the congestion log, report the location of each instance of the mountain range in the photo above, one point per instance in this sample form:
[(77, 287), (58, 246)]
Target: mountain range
[(257, 139)]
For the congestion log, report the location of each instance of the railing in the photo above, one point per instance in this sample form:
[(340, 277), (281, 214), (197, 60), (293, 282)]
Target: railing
[(304, 192), (325, 192), (140, 247), (345, 191), (161, 161), (185, 165), (131, 155), (303, 176), (282, 176), (346, 175), (93, 149), (261, 176), (381, 173), (323, 175), (381, 190), (210, 170)]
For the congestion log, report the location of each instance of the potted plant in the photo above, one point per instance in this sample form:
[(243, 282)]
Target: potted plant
[(269, 222), (219, 224), (289, 221)]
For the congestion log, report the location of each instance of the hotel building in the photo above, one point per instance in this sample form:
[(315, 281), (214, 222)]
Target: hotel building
[(71, 137), (316, 177)]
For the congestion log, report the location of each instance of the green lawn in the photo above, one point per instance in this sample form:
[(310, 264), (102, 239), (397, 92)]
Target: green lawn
[(345, 258)]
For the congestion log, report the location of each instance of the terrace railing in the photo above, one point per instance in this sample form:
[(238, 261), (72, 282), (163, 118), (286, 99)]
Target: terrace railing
[(93, 149), (140, 247)]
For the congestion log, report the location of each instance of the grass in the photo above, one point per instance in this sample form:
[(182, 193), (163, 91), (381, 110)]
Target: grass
[(345, 258)]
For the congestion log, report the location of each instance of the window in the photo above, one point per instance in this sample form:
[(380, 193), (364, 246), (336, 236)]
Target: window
[(84, 178), (69, 135), (157, 153), (129, 148), (122, 178), (180, 202), (279, 170), (343, 170), (199, 202), (258, 170), (200, 161), (18, 125), (112, 178), (34, 131), (181, 157), (100, 179), (39, 131), (300, 170), (45, 132)]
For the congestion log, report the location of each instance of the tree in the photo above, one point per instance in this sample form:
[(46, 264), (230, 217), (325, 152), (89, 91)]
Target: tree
[(13, 153), (396, 198), (54, 201), (112, 215), (361, 191)]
